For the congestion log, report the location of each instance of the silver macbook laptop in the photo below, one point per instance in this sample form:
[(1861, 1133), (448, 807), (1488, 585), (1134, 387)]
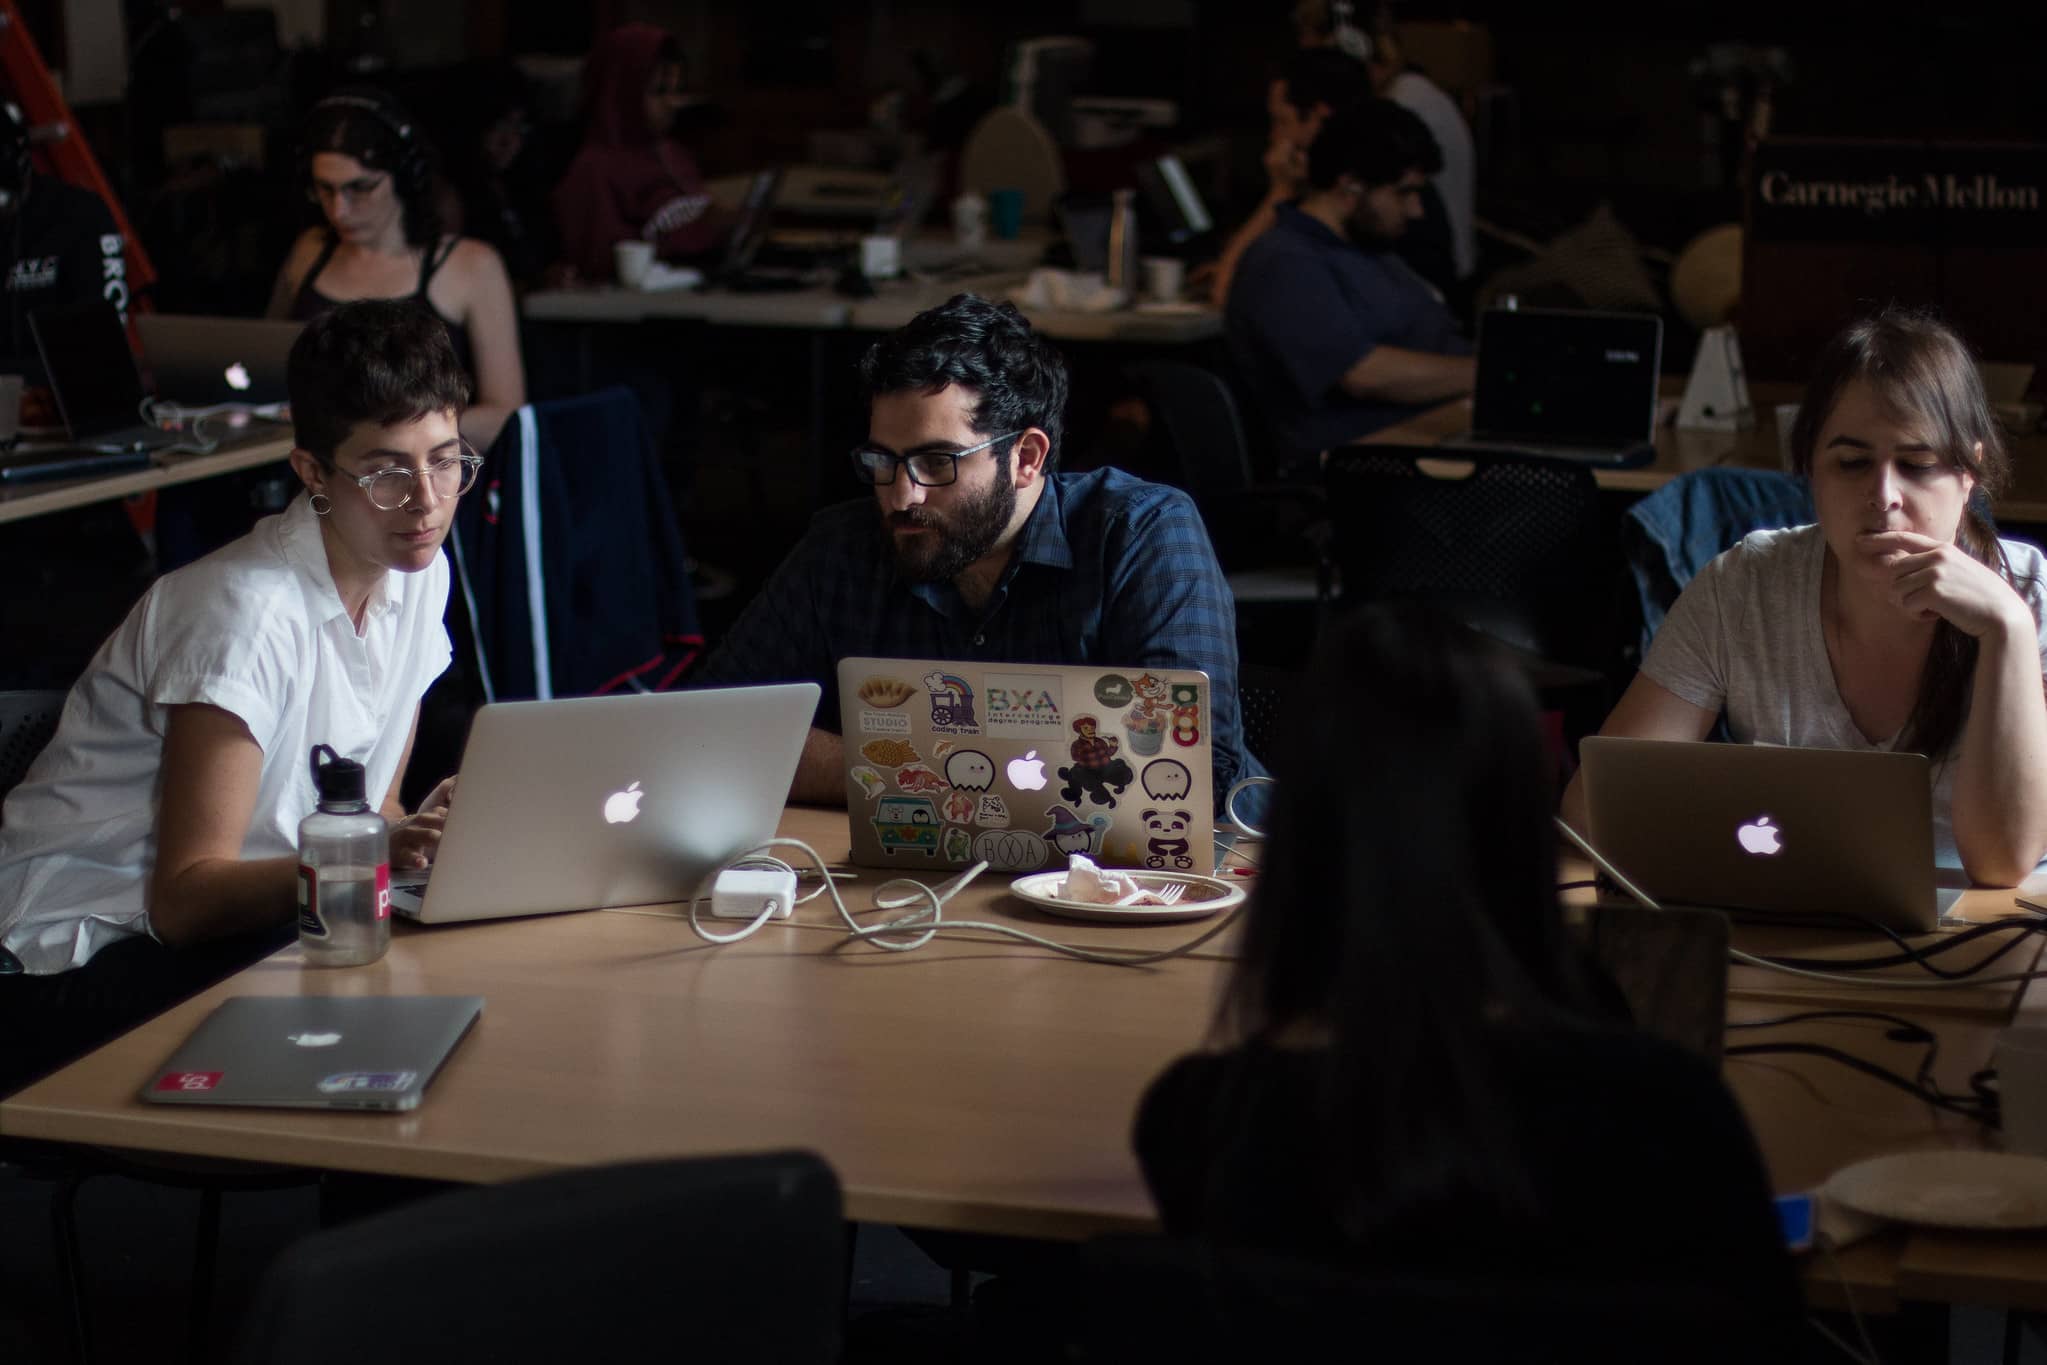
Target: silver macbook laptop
[(375, 1052), (607, 801), (1763, 827), (1020, 765), (1566, 385), (199, 361)]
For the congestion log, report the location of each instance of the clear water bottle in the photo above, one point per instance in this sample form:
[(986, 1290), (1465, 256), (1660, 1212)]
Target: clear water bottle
[(344, 869), (1122, 263)]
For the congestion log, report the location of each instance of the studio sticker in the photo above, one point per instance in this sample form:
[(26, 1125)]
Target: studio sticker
[(1096, 770), (884, 723), (952, 704), (907, 823), (1070, 834), (1024, 706)]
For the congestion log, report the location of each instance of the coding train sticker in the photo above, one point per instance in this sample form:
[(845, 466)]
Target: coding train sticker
[(952, 703)]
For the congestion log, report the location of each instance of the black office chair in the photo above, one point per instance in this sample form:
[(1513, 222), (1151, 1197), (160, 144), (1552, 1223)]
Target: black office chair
[(27, 720), (1264, 695), (1193, 1303), (1517, 549), (731, 1259)]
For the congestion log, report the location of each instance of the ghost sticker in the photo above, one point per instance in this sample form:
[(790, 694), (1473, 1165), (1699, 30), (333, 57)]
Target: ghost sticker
[(1011, 850), (1114, 691), (1167, 779), (960, 806), (959, 845), (1070, 834), (872, 784), (1168, 844), (994, 812), (1096, 770), (970, 770)]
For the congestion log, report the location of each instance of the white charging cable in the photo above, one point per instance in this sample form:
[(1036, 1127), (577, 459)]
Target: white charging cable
[(909, 932), (1751, 960), (158, 412)]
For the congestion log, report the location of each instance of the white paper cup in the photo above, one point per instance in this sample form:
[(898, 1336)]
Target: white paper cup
[(881, 257), (1163, 278), (1787, 416), (632, 259)]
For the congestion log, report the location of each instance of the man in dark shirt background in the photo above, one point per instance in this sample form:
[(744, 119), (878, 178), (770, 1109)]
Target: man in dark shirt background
[(1337, 336), (60, 248)]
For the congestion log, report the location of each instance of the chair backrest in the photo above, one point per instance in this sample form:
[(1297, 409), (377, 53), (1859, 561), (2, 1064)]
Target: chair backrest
[(1200, 418), (1516, 549), (726, 1259), (27, 720), (1264, 696), (1192, 1303)]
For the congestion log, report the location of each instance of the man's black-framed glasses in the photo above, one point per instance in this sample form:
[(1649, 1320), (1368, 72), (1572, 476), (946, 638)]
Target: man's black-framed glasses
[(390, 489), (928, 468)]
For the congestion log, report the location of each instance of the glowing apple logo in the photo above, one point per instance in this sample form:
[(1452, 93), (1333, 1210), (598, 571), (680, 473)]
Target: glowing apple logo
[(624, 807), (1027, 774), (1760, 838), (314, 1039), (237, 376)]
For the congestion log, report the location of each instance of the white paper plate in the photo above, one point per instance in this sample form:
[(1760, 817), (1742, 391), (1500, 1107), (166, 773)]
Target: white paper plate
[(1952, 1189), (1204, 897)]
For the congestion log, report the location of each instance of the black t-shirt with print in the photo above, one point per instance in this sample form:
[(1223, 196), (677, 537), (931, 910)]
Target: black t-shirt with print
[(62, 249)]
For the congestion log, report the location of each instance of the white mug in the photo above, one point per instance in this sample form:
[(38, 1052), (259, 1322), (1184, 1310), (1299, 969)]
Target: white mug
[(1163, 278), (632, 258), (881, 257)]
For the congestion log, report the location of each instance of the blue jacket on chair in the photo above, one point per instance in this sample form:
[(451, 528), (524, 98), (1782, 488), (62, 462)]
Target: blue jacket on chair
[(1678, 530), (568, 560)]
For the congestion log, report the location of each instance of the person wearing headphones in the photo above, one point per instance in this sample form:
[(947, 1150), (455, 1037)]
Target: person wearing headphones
[(371, 171), (1335, 335), (61, 245)]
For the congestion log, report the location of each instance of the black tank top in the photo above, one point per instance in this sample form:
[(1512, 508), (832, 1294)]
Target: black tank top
[(309, 302)]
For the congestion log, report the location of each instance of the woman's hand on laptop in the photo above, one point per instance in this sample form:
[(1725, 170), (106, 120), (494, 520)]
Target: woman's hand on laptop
[(416, 838)]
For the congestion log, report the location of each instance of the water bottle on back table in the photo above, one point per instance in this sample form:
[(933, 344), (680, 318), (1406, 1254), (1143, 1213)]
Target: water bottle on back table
[(344, 869)]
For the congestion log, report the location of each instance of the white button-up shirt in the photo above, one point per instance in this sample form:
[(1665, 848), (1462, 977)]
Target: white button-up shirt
[(258, 629)]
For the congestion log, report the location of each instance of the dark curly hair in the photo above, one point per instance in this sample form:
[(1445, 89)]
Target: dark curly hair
[(370, 125), (380, 361), (1375, 140), (1018, 375)]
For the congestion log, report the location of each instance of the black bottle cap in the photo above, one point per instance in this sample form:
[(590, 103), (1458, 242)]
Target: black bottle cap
[(338, 780)]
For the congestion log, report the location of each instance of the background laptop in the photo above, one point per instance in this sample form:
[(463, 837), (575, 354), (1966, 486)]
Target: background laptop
[(950, 763), (92, 372), (198, 361), (316, 1052), (1566, 385), (1763, 827), (603, 801)]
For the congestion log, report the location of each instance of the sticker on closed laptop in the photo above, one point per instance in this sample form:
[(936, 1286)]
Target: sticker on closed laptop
[(885, 692), (884, 723), (952, 704), (1024, 706), (993, 812), (189, 1082), (368, 1082), (889, 753)]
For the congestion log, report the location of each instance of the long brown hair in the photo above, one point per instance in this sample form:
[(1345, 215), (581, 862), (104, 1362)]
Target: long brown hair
[(1921, 369)]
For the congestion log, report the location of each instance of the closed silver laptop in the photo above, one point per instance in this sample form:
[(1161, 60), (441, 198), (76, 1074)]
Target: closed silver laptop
[(950, 763), (375, 1052), (1768, 828), (595, 802)]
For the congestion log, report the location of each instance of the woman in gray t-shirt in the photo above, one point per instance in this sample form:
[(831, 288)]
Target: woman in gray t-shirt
[(1898, 621)]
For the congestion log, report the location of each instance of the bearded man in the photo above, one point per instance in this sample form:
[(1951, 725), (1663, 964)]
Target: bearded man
[(975, 548)]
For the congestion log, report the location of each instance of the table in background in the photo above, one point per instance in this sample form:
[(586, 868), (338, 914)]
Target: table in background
[(1682, 450), (41, 497)]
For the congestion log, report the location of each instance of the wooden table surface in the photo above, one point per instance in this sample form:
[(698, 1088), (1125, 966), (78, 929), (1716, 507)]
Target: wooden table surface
[(21, 501), (1682, 451), (971, 1086)]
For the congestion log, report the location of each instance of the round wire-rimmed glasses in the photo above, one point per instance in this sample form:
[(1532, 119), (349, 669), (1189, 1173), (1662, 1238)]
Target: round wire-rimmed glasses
[(928, 468), (390, 489)]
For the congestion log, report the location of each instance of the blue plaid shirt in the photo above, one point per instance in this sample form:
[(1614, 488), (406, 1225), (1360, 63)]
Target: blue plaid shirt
[(1108, 569)]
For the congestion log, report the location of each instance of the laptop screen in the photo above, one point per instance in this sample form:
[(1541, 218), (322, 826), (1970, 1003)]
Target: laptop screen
[(1567, 376), (90, 366), (1174, 202), (752, 227)]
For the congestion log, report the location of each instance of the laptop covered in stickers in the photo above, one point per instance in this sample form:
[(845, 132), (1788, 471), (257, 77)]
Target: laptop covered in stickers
[(1019, 765)]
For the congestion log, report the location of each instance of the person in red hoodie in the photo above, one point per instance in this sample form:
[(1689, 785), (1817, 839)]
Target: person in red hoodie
[(632, 178)]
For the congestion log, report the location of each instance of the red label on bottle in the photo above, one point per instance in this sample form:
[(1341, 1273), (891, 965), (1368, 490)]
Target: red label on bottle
[(383, 890), (310, 922), (189, 1081)]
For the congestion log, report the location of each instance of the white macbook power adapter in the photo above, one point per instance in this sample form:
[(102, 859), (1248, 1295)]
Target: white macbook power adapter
[(745, 892)]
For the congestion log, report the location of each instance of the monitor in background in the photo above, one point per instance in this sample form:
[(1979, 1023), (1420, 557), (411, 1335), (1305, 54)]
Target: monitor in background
[(1567, 376), (1174, 213), (93, 375)]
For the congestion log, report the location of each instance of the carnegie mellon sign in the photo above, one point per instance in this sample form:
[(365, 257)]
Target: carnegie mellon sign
[(1900, 193)]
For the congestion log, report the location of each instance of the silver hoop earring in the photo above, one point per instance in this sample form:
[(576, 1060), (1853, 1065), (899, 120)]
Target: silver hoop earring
[(321, 503)]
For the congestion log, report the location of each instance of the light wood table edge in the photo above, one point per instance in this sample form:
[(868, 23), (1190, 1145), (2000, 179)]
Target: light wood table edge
[(23, 501)]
